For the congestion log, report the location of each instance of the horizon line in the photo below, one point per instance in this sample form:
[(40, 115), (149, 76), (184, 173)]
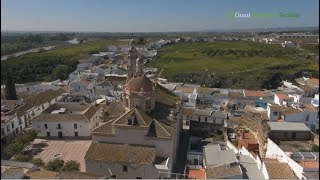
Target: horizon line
[(316, 27)]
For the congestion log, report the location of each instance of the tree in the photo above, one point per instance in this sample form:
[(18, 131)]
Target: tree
[(71, 166), (13, 148), (54, 165), (10, 86), (60, 72), (140, 40), (21, 158), (27, 136), (38, 162)]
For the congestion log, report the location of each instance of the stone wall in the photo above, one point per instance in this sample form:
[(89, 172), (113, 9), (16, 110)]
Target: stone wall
[(258, 126)]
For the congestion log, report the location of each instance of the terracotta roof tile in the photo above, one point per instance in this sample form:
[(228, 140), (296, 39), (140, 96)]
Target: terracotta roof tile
[(165, 96), (197, 174), (44, 97), (114, 111), (277, 170), (139, 118), (309, 164), (121, 153), (159, 129), (220, 172), (139, 83), (284, 110), (41, 174), (254, 93), (282, 96), (78, 175), (308, 108), (104, 128), (313, 82)]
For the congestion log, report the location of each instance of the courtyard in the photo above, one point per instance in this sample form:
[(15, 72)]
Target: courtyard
[(65, 149)]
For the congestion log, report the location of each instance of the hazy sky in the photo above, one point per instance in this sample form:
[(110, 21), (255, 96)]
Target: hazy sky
[(151, 15)]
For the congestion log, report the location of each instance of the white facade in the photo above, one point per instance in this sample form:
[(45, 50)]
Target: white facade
[(12, 128), (33, 88), (288, 44), (209, 118), (67, 128), (315, 100), (148, 171), (309, 118)]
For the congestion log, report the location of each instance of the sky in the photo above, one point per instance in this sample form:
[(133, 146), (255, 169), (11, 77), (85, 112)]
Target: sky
[(152, 15)]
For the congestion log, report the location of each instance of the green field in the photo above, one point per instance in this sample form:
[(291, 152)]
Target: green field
[(204, 63), (53, 64)]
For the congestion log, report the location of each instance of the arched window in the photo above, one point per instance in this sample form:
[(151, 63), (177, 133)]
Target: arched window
[(130, 120)]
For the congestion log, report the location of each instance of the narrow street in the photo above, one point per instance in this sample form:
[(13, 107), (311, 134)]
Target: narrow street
[(182, 155)]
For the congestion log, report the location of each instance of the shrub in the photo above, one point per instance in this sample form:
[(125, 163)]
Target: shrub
[(22, 158), (54, 165), (315, 148), (71, 166), (38, 162)]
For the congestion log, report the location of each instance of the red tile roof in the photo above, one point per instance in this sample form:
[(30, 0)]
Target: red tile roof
[(254, 93), (309, 164), (312, 82), (282, 96), (197, 174)]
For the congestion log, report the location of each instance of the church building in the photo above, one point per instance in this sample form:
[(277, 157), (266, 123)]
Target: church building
[(139, 136)]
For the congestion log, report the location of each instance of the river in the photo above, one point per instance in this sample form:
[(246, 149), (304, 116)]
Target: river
[(34, 50)]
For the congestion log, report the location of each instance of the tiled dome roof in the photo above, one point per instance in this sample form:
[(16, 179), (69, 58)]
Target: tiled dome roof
[(139, 84)]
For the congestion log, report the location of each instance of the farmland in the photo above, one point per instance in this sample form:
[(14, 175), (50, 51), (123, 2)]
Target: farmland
[(238, 64)]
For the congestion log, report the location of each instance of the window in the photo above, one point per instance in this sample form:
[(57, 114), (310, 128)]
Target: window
[(8, 128), (125, 168), (130, 121), (48, 134), (20, 128), (195, 161), (275, 113), (27, 89), (20, 122), (59, 126), (199, 118), (205, 119), (45, 126), (76, 134), (75, 126), (307, 118), (148, 103), (12, 125)]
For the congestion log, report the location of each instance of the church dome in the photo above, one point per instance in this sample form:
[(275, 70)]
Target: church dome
[(139, 84)]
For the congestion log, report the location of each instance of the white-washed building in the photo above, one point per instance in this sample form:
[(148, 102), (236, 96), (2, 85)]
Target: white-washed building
[(67, 120)]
